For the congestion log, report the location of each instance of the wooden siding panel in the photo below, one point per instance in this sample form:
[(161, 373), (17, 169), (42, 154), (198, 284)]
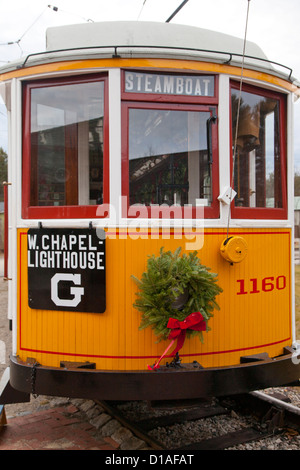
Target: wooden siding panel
[(246, 323)]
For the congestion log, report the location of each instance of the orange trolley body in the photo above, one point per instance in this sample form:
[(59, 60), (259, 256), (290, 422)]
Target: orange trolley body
[(121, 144)]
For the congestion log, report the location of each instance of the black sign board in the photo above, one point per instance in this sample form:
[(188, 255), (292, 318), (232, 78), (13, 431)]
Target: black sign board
[(66, 269)]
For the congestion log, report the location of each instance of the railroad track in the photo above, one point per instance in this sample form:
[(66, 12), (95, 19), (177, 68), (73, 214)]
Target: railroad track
[(163, 426)]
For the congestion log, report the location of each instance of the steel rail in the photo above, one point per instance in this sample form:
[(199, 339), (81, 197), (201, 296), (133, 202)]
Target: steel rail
[(276, 402)]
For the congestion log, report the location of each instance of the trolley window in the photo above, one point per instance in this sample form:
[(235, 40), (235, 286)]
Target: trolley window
[(260, 153), (169, 151), (64, 148)]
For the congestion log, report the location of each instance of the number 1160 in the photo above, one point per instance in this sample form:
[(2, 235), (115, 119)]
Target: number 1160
[(267, 284)]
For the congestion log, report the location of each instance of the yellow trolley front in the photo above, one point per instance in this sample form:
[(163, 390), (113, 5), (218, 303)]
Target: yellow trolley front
[(121, 147)]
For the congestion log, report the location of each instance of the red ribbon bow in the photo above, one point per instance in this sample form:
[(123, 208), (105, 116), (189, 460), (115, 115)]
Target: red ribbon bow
[(194, 321)]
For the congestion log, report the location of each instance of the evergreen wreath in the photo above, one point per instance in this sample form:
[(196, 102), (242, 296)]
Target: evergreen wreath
[(169, 279)]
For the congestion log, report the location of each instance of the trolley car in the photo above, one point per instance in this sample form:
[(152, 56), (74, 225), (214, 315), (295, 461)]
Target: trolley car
[(126, 138)]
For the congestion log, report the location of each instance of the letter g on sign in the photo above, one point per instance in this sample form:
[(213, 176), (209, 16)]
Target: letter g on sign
[(77, 292)]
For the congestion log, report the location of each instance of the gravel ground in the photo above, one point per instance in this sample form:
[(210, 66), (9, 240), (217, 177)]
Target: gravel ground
[(178, 435)]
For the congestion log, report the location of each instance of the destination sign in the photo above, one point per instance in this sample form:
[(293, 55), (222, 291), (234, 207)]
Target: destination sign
[(184, 85), (66, 269)]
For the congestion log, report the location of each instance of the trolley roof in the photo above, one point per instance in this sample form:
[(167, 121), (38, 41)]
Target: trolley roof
[(146, 34), (142, 39)]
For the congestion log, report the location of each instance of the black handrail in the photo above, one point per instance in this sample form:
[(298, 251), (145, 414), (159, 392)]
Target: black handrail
[(190, 49), (211, 120)]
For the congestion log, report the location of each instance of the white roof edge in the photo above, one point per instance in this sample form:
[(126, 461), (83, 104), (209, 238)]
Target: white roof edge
[(145, 33)]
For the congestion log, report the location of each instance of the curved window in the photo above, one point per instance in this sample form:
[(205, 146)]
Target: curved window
[(64, 148), (260, 153)]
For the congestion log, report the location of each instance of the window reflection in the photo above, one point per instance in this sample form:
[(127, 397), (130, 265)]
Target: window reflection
[(257, 172), (67, 144), (168, 157)]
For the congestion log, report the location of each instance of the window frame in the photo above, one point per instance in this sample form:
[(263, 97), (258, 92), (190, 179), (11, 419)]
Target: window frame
[(268, 213), (172, 103), (64, 211)]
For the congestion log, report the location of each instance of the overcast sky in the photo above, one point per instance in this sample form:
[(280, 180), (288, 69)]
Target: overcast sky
[(272, 24)]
